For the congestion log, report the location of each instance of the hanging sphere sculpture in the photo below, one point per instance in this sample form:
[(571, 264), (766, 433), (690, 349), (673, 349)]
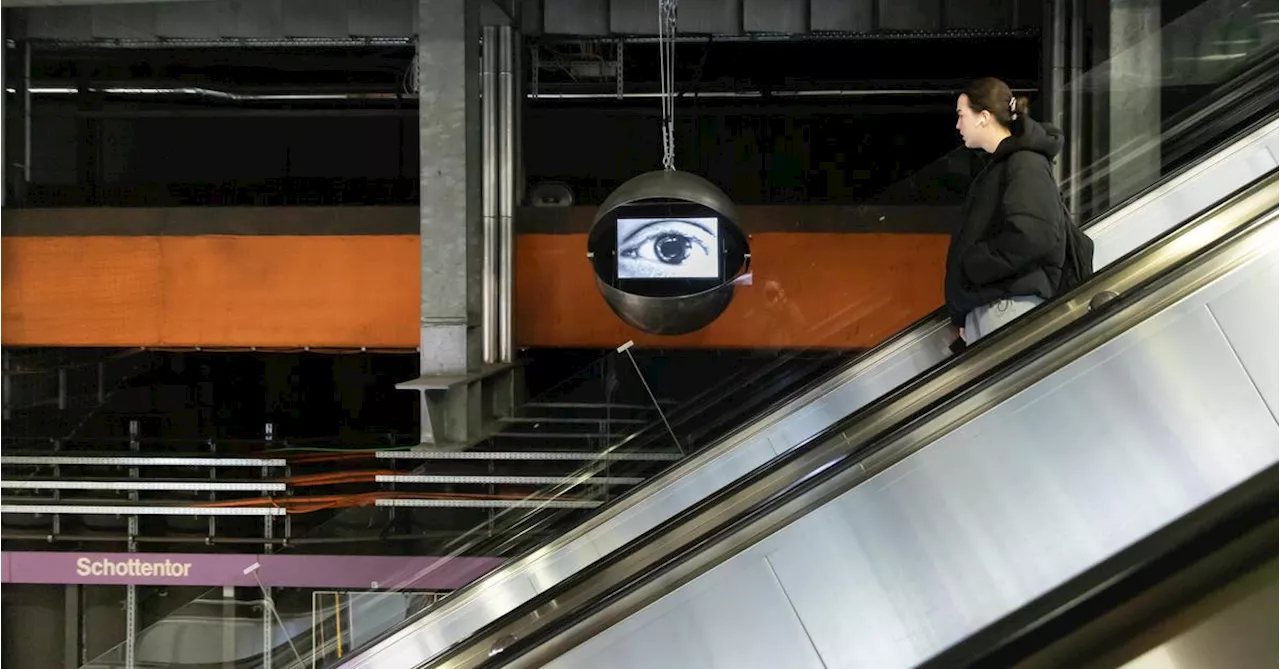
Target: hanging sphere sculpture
[(667, 251)]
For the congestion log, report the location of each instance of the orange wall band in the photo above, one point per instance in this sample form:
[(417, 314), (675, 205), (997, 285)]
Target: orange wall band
[(810, 289)]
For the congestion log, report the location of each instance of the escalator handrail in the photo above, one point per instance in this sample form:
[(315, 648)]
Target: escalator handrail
[(856, 447)]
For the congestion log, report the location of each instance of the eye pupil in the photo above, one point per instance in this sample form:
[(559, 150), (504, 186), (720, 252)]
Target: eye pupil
[(672, 249)]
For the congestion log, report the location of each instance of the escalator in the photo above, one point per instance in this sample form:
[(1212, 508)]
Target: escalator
[(1068, 454), (1221, 147)]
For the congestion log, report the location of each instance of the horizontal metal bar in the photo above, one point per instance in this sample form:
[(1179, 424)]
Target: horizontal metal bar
[(492, 503), (823, 93), (129, 461), (409, 41), (236, 112), (541, 95), (575, 420), (812, 36), (511, 480), (557, 435), (213, 93), (218, 486), (123, 510), (528, 455), (223, 42), (587, 405)]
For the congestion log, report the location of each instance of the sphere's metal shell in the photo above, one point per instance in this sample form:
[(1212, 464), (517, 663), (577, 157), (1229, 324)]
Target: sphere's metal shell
[(669, 315)]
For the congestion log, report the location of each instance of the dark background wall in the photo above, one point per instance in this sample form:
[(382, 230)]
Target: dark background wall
[(887, 112)]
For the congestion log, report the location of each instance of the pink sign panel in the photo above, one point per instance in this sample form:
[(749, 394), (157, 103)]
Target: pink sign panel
[(356, 572)]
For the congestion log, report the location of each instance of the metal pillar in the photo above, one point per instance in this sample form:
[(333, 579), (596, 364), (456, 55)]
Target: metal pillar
[(507, 190), (490, 273), (1055, 78), (6, 384), (73, 618), (229, 651), (268, 640), (4, 108), (268, 603), (131, 591), (17, 126), (1075, 100), (24, 102)]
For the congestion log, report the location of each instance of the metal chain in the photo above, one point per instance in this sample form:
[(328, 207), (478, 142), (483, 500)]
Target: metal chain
[(667, 72), (536, 65), (620, 46)]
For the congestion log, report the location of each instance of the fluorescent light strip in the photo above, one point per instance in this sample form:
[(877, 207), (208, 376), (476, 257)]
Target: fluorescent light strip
[(196, 486)]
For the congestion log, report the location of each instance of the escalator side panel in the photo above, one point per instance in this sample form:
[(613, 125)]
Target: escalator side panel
[(1243, 162), (1083, 463), (797, 422)]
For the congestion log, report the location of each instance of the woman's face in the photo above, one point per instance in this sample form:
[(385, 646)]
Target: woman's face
[(973, 127)]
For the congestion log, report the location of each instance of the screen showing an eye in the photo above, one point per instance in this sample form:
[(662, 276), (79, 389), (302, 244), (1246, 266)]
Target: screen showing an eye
[(668, 248)]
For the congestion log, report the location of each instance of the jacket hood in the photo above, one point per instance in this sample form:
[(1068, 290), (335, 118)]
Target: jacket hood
[(1032, 135)]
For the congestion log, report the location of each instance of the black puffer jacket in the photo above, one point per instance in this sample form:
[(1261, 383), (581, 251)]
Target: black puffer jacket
[(1012, 236)]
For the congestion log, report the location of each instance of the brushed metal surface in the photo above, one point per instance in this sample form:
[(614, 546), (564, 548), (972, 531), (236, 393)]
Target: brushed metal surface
[(666, 184), (792, 424), (670, 315), (1079, 465)]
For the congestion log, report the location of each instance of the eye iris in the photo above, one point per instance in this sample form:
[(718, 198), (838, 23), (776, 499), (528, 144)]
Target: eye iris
[(671, 248)]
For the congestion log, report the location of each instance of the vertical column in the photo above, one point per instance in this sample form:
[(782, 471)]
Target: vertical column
[(22, 164), (24, 108), (490, 143), (1055, 75), (268, 602), (449, 216), (1134, 109), (89, 137), (4, 108), (131, 591), (1075, 100), (229, 621), (17, 119), (71, 628), (507, 193), (6, 384)]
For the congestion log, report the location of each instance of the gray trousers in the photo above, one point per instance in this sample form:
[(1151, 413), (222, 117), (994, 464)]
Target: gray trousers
[(991, 317)]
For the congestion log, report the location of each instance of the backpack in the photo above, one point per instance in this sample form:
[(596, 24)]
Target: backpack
[(1077, 262)]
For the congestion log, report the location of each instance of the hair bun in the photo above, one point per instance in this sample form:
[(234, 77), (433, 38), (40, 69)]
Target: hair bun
[(1020, 106)]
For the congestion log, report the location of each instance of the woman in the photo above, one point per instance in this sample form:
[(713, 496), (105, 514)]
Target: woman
[(1007, 255)]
